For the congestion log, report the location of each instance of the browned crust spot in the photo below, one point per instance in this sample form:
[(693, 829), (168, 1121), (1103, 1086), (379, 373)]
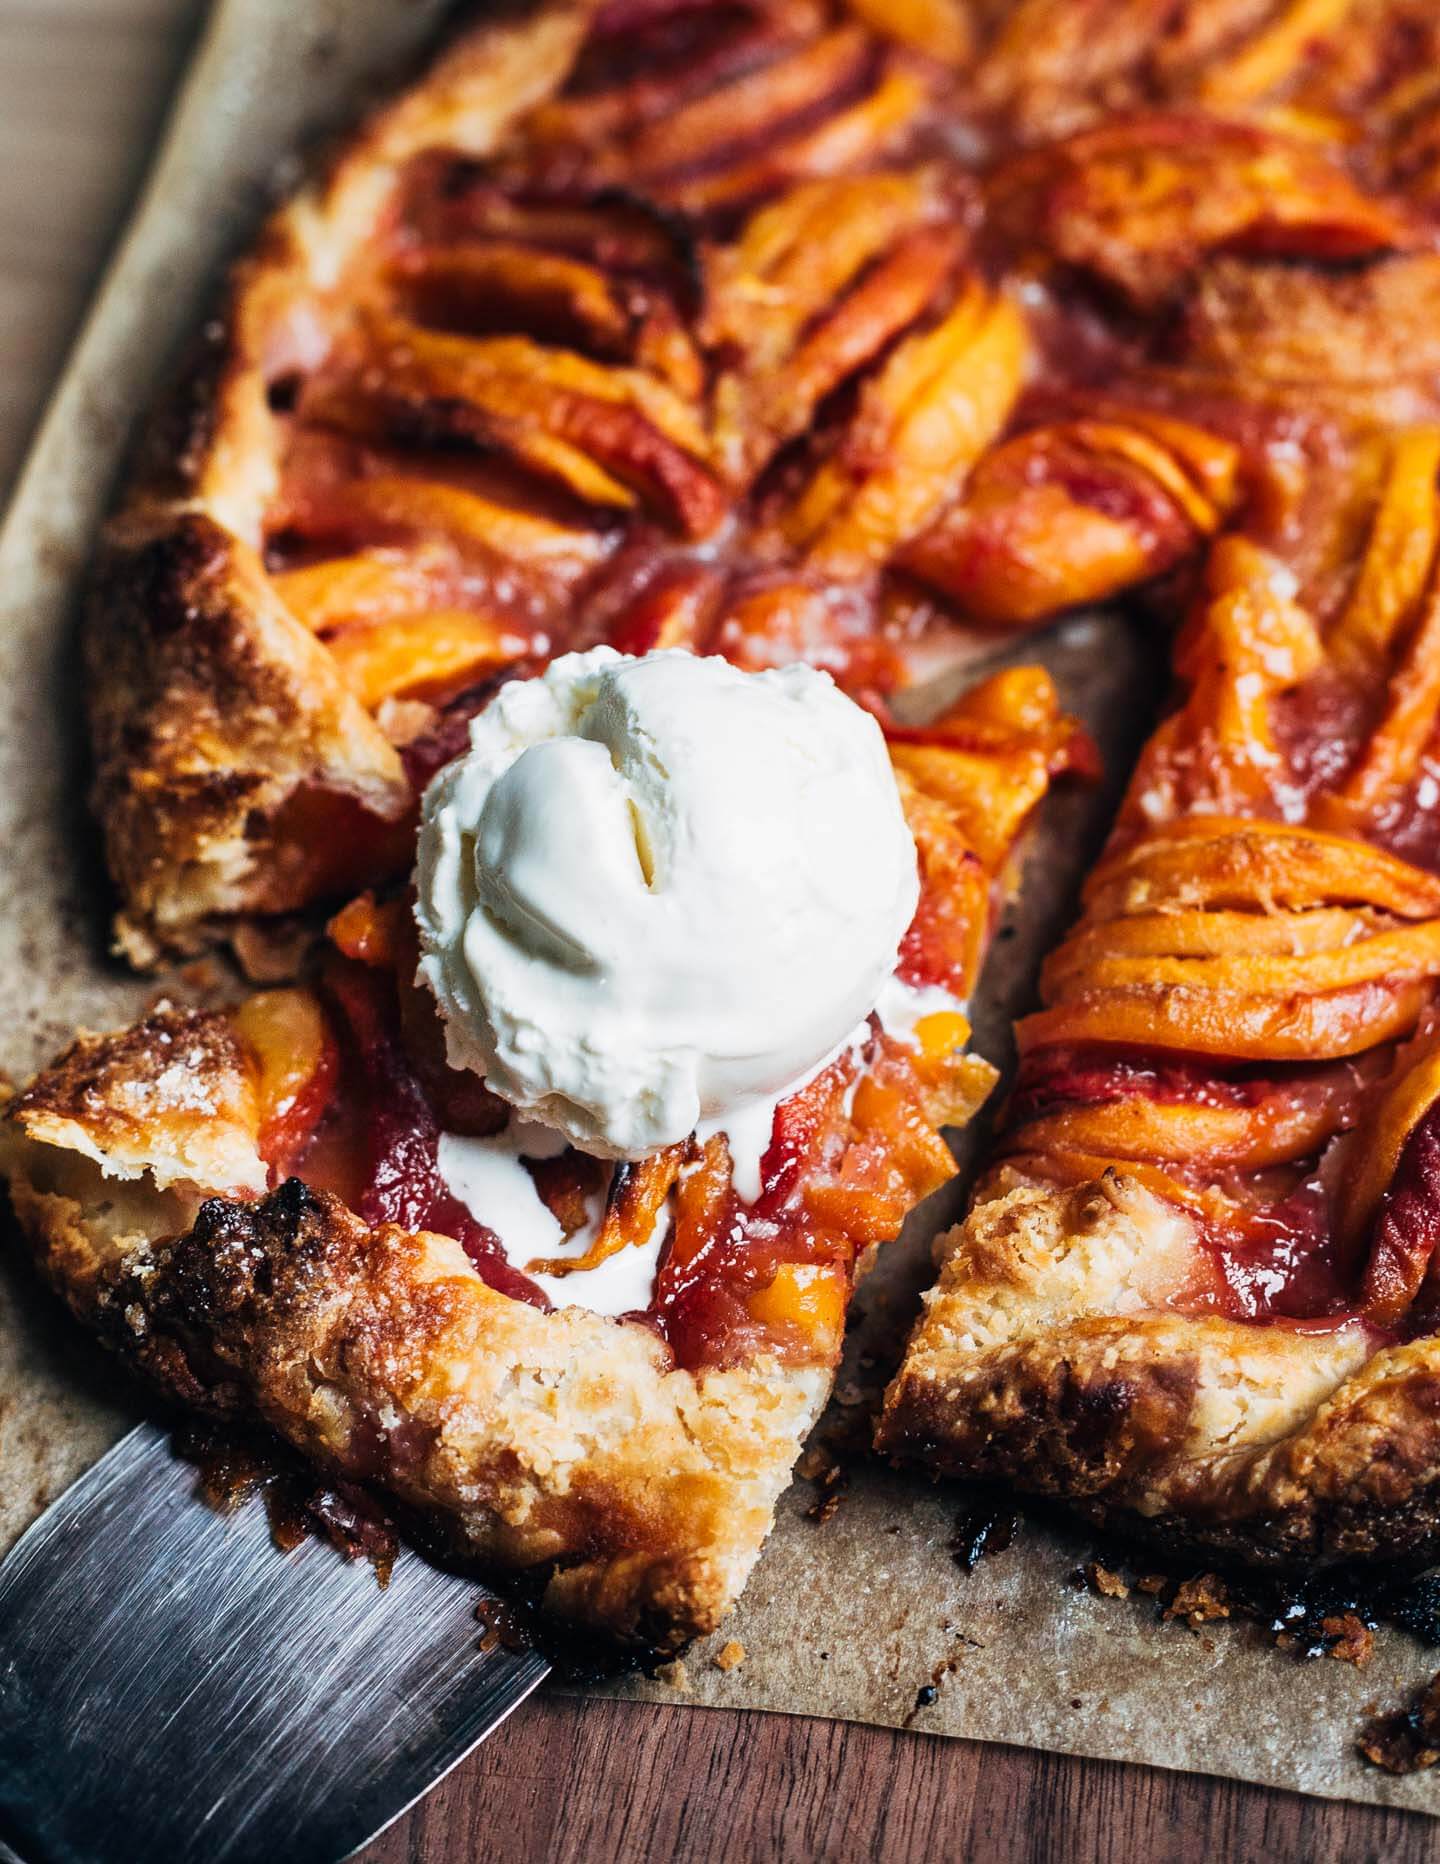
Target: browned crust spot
[(209, 708), (171, 1098), (1049, 1357)]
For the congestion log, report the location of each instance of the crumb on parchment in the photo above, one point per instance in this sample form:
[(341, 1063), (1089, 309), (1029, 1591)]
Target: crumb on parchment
[(1101, 1579), (730, 1655), (1199, 1600), (815, 1462), (1354, 1640), (674, 1675)]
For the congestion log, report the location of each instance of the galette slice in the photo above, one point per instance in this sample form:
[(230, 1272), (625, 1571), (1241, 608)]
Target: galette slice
[(593, 1364)]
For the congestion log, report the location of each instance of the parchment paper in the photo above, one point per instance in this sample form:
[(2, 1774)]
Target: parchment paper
[(853, 1618)]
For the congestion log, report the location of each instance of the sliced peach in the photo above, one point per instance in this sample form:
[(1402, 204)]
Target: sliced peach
[(853, 136), (1398, 556), (808, 1296), (756, 104), (423, 652), (368, 931), (296, 1061), (637, 1193), (604, 433), (759, 409), (366, 586), (1272, 55), (406, 509), (922, 423), (940, 29), (941, 1033)]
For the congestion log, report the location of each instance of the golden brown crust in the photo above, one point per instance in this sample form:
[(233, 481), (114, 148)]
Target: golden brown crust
[(211, 706), (209, 709), (561, 1441), (171, 1099), (1053, 1353)]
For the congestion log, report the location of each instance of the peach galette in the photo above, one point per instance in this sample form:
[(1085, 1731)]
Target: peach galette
[(522, 582)]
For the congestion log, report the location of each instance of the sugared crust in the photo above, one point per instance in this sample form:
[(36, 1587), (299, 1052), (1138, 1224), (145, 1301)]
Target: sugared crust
[(170, 1099), (1048, 1354), (210, 704), (209, 707), (562, 1441)]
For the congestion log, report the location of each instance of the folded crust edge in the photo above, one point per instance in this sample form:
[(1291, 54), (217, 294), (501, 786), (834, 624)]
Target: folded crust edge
[(563, 1444), (210, 705), (1048, 1356)]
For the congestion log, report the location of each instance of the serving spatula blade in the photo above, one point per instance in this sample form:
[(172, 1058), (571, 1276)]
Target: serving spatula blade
[(172, 1687)]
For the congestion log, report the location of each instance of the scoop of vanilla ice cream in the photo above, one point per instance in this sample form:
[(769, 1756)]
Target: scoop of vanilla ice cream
[(655, 889)]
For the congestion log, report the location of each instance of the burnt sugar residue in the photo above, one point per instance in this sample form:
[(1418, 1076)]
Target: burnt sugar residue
[(503, 1627), (1407, 1739), (986, 1525), (234, 1465), (1332, 1614)]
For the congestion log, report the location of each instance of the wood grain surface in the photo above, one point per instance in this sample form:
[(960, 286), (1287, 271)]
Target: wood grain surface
[(83, 85)]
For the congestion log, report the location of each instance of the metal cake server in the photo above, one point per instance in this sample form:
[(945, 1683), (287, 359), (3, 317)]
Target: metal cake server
[(173, 1688)]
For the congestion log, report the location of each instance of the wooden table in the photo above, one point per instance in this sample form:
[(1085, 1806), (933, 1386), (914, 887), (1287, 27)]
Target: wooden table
[(82, 87)]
